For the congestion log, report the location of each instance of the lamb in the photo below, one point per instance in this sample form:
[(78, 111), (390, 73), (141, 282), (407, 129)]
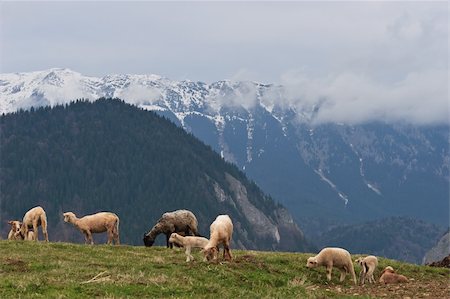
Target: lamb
[(389, 276), (329, 257), (368, 265), (14, 233), (96, 223), (188, 243), (179, 221), (221, 231), (33, 218)]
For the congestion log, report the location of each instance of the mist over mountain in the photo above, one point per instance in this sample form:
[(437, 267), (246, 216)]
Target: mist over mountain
[(325, 170)]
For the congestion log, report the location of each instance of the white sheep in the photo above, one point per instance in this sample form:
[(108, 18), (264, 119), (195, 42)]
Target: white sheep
[(221, 231), (333, 257), (368, 265), (96, 223), (188, 243), (388, 275), (33, 219)]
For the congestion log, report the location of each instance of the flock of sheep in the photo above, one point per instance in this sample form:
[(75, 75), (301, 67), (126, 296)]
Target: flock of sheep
[(181, 229)]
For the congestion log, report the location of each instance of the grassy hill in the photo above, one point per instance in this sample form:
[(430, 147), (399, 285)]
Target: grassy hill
[(63, 270)]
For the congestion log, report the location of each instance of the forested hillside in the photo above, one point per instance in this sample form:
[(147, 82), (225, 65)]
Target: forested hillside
[(110, 156)]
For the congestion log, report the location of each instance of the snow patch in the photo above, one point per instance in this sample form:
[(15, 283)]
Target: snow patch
[(332, 185)]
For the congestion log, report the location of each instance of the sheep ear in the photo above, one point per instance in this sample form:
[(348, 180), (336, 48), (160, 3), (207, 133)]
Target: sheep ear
[(10, 222)]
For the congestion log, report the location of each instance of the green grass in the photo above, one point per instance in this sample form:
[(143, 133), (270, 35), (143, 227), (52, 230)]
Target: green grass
[(62, 270)]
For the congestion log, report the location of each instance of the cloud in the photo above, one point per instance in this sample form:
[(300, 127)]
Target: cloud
[(358, 61), (138, 94), (420, 97)]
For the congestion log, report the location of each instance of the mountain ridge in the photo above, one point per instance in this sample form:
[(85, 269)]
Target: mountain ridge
[(325, 174)]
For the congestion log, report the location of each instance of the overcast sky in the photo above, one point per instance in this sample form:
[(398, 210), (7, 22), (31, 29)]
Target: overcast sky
[(376, 52)]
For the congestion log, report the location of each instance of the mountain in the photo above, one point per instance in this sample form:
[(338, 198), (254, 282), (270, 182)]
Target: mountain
[(108, 155), (439, 251), (326, 174), (399, 238)]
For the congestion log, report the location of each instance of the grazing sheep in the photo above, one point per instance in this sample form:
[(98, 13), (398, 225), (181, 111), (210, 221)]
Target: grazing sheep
[(32, 219), (179, 221), (337, 257), (368, 265), (188, 243), (389, 276), (221, 231), (96, 223)]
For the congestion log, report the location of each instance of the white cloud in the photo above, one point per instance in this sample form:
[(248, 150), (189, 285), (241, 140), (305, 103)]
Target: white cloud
[(420, 98), (138, 94), (359, 60)]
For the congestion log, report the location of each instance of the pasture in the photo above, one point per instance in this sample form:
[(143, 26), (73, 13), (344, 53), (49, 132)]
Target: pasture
[(62, 270)]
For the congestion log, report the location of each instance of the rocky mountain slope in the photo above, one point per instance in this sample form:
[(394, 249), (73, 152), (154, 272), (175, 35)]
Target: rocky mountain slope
[(439, 251), (324, 173)]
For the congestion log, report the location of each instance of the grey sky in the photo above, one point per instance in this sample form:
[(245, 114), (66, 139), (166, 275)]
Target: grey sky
[(311, 46)]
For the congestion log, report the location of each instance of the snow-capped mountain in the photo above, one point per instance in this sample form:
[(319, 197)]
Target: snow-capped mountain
[(326, 174)]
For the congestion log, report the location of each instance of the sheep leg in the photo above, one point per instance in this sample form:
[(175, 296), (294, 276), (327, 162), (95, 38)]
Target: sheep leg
[(116, 237), (116, 232), (35, 231), (44, 228), (110, 237), (362, 277), (371, 279), (352, 272), (329, 269), (189, 257), (86, 237), (89, 239), (343, 274), (168, 245), (226, 252)]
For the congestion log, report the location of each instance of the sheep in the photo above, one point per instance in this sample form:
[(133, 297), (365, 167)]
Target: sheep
[(32, 219), (388, 275), (221, 231), (179, 221), (368, 265), (188, 243), (96, 223), (329, 257), (14, 233)]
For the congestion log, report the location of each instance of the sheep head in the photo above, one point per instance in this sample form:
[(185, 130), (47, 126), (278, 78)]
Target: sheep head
[(148, 240), (388, 269), (312, 262), (15, 225), (173, 238), (211, 254), (69, 217)]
